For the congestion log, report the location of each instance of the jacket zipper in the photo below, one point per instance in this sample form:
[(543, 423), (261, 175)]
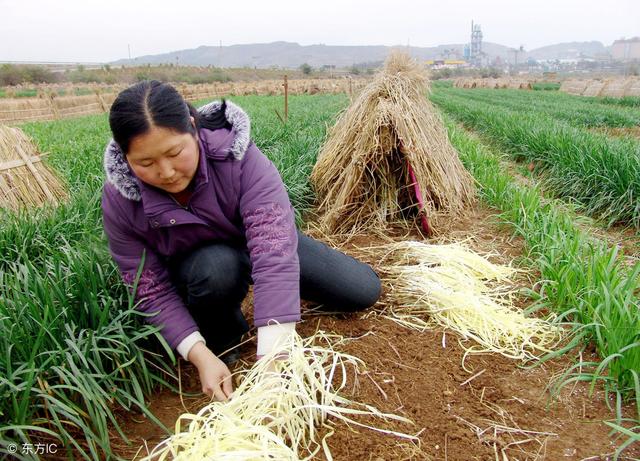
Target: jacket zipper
[(184, 207)]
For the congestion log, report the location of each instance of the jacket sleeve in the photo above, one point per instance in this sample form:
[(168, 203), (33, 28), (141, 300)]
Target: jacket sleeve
[(272, 240), (155, 291)]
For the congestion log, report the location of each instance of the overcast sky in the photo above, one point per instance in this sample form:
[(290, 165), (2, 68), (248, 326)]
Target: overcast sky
[(93, 31)]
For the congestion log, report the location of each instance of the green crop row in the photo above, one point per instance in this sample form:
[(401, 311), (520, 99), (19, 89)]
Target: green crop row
[(546, 86), (626, 101), (602, 175), (32, 92), (74, 349), (569, 108), (72, 346)]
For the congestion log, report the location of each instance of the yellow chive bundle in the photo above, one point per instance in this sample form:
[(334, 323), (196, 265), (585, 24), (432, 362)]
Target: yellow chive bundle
[(277, 409), (451, 286)]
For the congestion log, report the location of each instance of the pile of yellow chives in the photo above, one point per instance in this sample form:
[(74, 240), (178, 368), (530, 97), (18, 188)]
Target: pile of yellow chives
[(452, 286), (277, 409)]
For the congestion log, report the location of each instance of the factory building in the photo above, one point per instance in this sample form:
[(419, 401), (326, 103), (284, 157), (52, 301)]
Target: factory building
[(626, 50)]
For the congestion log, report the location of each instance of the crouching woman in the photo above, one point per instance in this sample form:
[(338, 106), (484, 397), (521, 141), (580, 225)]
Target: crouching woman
[(188, 189)]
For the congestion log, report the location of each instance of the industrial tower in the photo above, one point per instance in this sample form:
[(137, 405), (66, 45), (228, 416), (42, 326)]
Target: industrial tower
[(476, 43), (473, 51)]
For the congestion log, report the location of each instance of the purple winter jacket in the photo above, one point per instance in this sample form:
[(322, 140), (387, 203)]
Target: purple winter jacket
[(239, 197)]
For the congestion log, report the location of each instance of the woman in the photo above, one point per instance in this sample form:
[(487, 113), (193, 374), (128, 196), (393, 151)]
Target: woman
[(189, 191)]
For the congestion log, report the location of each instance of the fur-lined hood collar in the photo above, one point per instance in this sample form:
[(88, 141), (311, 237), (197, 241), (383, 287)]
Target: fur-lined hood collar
[(122, 178)]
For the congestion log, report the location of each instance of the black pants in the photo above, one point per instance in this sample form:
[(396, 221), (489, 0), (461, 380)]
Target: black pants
[(214, 280)]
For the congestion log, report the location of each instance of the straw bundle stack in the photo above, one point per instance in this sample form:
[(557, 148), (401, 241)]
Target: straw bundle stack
[(71, 106), (108, 98), (494, 83), (612, 88), (388, 157), (628, 84), (634, 88), (255, 88), (24, 180), (615, 88), (24, 109), (576, 87), (594, 88), (49, 106)]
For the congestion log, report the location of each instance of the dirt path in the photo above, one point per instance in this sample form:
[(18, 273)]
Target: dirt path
[(494, 410), (632, 132), (425, 382)]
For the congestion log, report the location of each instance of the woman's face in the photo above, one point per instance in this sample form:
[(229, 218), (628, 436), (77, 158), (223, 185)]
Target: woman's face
[(164, 158)]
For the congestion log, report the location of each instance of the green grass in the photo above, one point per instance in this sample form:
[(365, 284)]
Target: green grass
[(626, 101), (33, 92), (546, 86), (293, 148), (442, 84), (600, 174), (572, 109), (72, 343), (74, 349), (26, 93)]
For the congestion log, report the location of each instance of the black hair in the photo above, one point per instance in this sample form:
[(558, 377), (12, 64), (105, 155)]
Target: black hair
[(153, 103)]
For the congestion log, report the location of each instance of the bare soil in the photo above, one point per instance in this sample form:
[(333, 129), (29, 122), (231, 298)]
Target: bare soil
[(633, 132), (495, 409)]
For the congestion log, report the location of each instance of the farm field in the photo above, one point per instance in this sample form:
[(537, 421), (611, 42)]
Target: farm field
[(557, 200), (597, 172)]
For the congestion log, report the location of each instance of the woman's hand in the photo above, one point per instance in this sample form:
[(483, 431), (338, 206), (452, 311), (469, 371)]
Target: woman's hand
[(215, 377)]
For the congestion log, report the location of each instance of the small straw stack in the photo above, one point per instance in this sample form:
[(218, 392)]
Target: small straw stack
[(277, 409), (388, 147), (25, 181), (451, 286)]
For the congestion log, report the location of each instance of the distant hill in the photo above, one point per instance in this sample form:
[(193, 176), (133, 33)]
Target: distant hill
[(292, 55), (571, 50)]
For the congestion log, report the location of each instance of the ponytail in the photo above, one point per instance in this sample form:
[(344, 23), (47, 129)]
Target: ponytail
[(212, 121)]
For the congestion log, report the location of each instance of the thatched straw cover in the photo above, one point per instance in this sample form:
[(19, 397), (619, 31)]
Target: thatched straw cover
[(362, 178), (615, 88), (576, 87), (594, 88), (634, 88), (24, 180)]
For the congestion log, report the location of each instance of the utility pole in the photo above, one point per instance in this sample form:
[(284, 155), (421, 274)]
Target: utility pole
[(286, 98), (129, 49)]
